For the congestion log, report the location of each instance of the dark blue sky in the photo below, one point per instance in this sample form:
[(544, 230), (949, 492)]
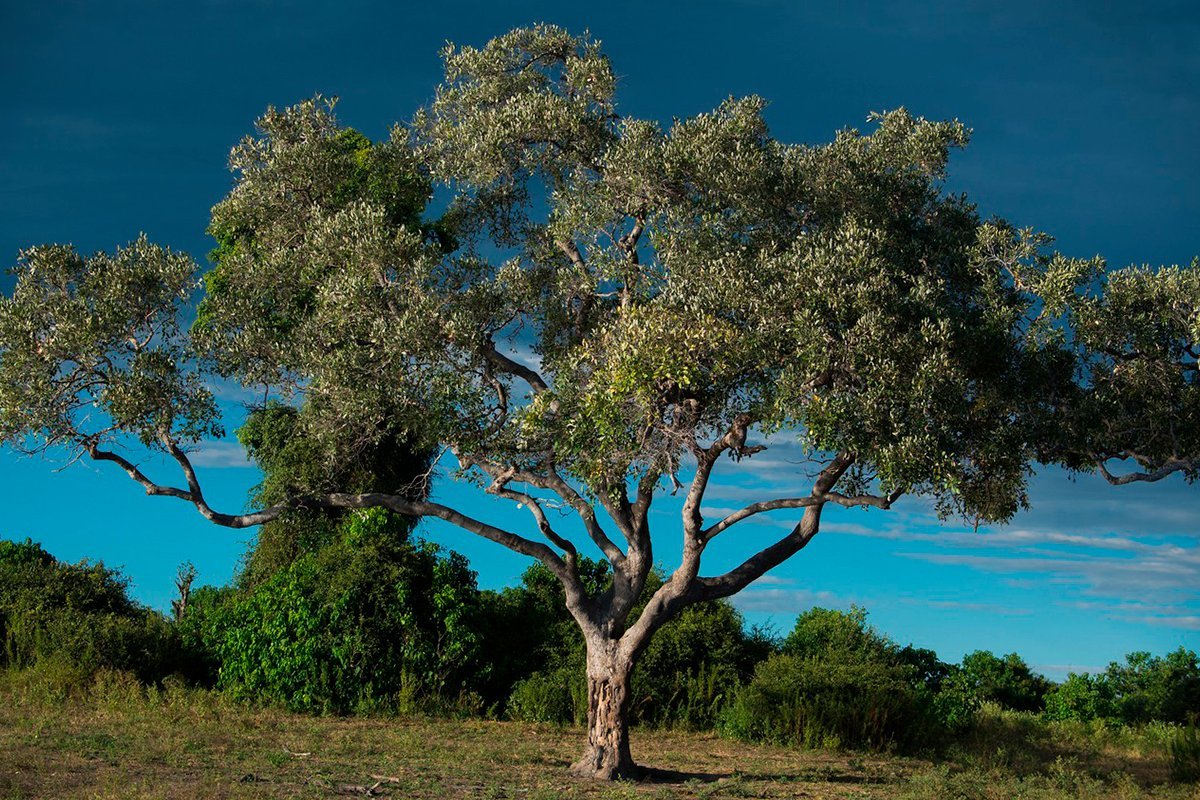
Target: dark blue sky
[(118, 117)]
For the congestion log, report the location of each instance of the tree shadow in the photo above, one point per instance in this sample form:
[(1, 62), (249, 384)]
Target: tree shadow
[(658, 775)]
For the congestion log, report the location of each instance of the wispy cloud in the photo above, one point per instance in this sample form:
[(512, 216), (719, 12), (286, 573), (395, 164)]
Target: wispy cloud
[(1189, 623), (785, 601), (1170, 578), (220, 455), (234, 392), (961, 605)]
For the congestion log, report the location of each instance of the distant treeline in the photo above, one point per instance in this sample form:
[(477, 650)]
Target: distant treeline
[(356, 616)]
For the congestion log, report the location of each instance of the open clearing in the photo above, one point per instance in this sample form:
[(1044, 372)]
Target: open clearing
[(195, 745)]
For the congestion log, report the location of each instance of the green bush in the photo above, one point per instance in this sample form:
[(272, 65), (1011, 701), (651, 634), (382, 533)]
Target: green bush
[(694, 666), (79, 616), (1007, 681), (366, 623), (559, 697), (1147, 688), (838, 683), (1082, 698), (811, 702), (1184, 750)]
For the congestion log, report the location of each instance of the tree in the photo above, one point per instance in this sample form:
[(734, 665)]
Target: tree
[(1007, 681), (678, 293)]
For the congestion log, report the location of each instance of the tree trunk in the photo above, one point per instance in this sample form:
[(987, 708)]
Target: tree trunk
[(607, 756)]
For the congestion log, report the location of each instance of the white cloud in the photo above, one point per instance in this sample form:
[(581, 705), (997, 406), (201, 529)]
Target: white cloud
[(784, 601), (220, 455)]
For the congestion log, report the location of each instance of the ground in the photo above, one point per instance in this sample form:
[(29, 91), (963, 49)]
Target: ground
[(182, 744)]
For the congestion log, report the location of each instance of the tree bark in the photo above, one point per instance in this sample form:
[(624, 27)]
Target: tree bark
[(607, 755)]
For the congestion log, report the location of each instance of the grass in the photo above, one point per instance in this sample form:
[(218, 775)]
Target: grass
[(117, 740)]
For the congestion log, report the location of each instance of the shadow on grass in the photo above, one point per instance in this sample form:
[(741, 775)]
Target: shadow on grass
[(658, 775)]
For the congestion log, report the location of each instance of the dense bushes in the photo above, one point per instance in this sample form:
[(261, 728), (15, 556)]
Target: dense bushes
[(1008, 682), (1143, 689), (78, 615), (369, 621), (349, 614), (694, 665), (838, 683)]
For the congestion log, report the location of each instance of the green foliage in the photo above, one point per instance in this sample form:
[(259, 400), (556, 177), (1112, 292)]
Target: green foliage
[(370, 621), (1007, 681), (838, 683), (693, 667), (1145, 688), (100, 331), (1150, 688), (812, 702), (78, 616), (1138, 351), (1185, 753), (558, 696), (295, 464), (824, 632), (1081, 697)]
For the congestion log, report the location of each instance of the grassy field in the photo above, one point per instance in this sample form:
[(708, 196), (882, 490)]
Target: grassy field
[(120, 741)]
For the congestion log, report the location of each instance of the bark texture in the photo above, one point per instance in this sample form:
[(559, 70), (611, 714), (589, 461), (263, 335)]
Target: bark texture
[(607, 756)]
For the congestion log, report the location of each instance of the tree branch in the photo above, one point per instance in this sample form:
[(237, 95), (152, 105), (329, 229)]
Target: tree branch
[(396, 503), (500, 489), (757, 508), (1170, 466), (506, 364), (757, 565), (557, 484)]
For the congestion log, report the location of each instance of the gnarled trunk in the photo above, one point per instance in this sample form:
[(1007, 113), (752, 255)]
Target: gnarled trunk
[(607, 756)]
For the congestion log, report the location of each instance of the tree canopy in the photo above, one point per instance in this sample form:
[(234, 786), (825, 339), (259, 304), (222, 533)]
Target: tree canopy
[(605, 307)]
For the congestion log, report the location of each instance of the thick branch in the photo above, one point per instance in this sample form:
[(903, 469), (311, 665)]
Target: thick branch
[(757, 565), (733, 440), (1170, 466), (396, 503), (506, 364)]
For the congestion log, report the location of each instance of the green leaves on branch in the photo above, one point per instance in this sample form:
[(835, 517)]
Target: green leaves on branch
[(100, 331), (606, 295)]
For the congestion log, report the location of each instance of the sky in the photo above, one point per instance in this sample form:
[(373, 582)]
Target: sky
[(118, 119)]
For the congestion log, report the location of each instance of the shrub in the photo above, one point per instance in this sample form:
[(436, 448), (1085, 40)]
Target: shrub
[(838, 683), (1007, 681), (694, 666), (1082, 698), (823, 703), (558, 697), (1184, 750), (79, 616), (368, 622), (1149, 688)]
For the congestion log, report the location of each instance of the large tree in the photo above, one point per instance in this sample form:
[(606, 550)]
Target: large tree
[(606, 310)]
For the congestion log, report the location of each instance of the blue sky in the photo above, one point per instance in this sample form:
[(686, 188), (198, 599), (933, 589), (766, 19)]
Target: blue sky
[(118, 118)]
